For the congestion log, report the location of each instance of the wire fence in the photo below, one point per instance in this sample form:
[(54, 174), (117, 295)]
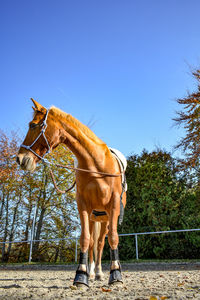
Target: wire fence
[(76, 239)]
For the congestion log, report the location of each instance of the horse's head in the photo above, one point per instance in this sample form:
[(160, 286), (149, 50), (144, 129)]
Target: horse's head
[(42, 136)]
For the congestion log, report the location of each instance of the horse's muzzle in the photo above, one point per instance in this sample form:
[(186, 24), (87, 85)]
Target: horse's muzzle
[(26, 162)]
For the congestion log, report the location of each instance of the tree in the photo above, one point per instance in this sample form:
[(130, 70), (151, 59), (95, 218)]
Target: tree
[(189, 118), (159, 198), (56, 213), (10, 190), (21, 192)]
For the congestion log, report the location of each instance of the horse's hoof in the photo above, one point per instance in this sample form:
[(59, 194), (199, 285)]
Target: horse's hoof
[(115, 277), (92, 277), (81, 279), (99, 277)]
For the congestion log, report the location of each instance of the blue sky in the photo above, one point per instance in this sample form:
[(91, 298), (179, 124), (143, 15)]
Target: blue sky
[(117, 65)]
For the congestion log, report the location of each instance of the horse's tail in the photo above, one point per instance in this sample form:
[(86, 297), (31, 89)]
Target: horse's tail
[(96, 234)]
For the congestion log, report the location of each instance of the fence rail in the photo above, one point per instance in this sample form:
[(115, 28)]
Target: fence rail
[(31, 241), (154, 232)]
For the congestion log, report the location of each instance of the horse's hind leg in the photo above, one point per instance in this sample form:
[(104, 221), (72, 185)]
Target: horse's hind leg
[(113, 239), (100, 246), (82, 272)]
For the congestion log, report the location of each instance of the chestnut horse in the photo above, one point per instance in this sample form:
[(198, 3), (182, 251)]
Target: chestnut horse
[(99, 193)]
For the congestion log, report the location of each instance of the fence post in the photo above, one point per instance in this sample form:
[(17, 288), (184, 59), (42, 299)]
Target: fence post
[(76, 249), (136, 246), (32, 234)]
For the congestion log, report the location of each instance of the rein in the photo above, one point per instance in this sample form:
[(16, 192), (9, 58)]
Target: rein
[(57, 188), (75, 169), (89, 171)]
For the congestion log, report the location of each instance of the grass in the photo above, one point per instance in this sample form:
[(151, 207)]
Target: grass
[(108, 262), (37, 263), (161, 261)]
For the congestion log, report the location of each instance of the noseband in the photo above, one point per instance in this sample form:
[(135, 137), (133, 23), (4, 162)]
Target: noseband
[(42, 133)]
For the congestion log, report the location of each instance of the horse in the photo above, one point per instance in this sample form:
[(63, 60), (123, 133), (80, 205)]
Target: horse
[(100, 192)]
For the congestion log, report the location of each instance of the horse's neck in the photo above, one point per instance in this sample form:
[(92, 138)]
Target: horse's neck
[(87, 147)]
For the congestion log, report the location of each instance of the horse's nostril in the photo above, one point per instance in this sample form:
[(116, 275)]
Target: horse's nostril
[(17, 160)]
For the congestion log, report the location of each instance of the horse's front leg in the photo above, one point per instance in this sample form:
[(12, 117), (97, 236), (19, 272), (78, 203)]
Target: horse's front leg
[(91, 252), (113, 239), (82, 272)]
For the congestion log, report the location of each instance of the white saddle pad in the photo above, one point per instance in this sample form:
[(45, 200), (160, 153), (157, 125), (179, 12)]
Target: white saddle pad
[(121, 157), (122, 162)]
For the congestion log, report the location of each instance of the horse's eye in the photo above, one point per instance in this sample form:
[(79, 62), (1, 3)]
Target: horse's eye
[(32, 125)]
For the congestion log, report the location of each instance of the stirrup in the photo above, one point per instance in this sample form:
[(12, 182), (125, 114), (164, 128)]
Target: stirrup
[(81, 278)]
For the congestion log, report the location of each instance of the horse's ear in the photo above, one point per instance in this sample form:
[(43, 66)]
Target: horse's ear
[(38, 106)]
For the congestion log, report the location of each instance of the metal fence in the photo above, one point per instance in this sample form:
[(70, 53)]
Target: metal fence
[(76, 239), (154, 232)]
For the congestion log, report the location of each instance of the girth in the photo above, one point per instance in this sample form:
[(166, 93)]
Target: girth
[(99, 213)]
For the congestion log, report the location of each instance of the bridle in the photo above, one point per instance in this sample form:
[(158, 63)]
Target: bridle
[(42, 133)]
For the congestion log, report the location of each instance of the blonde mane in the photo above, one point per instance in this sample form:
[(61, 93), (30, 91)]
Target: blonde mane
[(65, 116)]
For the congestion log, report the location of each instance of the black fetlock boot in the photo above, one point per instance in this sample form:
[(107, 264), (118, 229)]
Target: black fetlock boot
[(82, 276), (115, 275)]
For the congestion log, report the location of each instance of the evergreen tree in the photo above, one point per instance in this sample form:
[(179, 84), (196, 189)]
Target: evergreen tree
[(159, 198)]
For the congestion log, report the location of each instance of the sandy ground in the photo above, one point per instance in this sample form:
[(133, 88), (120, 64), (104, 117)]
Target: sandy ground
[(141, 281)]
